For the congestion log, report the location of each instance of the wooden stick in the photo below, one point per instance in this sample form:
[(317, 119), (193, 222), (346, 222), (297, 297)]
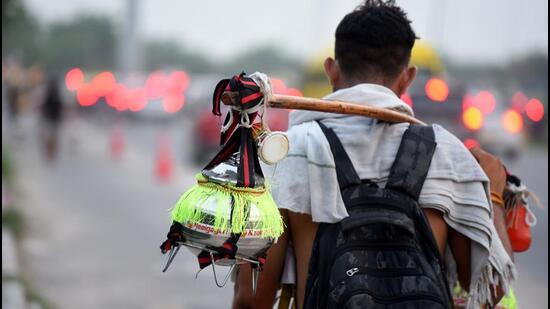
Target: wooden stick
[(339, 107), (327, 106)]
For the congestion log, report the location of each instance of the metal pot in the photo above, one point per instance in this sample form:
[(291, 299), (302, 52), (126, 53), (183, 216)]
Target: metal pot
[(203, 235)]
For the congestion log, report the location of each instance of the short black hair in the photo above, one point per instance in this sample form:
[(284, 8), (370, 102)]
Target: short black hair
[(374, 41)]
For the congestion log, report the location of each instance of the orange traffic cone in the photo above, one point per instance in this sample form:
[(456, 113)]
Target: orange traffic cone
[(116, 142), (164, 164)]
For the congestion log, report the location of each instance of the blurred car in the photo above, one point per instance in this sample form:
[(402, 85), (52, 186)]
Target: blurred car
[(498, 141), (433, 105)]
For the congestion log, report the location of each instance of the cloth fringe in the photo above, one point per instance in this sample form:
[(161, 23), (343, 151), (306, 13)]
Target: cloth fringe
[(188, 208), (481, 291)]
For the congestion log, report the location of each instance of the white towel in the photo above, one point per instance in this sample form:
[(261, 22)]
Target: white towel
[(306, 182)]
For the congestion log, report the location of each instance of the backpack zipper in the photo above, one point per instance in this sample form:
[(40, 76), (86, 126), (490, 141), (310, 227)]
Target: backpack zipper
[(399, 245)]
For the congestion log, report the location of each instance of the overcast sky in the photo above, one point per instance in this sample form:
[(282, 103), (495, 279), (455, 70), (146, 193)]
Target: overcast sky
[(465, 30)]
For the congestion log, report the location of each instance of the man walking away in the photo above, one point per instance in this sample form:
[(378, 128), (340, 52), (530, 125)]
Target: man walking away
[(321, 186)]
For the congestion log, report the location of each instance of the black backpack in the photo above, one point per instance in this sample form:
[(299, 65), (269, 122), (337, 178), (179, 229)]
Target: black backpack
[(383, 255)]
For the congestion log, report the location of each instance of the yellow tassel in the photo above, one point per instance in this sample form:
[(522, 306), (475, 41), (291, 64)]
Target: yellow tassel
[(189, 208)]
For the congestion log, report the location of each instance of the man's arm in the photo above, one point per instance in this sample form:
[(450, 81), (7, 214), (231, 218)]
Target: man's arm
[(494, 169), (499, 219), (269, 279), (458, 243)]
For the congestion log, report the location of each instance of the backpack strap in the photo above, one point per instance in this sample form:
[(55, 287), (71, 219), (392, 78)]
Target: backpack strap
[(413, 160), (347, 176)]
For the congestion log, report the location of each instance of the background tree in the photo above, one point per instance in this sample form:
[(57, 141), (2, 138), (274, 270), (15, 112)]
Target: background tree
[(20, 32), (87, 42)]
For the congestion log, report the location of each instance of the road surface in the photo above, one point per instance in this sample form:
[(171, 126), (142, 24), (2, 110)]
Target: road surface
[(96, 225)]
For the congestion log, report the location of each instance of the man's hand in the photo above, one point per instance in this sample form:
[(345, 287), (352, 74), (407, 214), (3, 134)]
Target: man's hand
[(493, 167)]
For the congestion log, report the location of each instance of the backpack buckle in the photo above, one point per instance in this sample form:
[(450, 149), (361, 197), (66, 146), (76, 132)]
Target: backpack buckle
[(352, 271)]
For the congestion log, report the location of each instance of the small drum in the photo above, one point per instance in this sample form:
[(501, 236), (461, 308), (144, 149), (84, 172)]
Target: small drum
[(272, 147)]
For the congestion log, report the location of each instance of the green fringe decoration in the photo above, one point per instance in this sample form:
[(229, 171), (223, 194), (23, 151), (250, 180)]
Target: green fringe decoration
[(187, 208)]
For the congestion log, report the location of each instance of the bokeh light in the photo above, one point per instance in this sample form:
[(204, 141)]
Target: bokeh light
[(437, 90), (472, 118), (485, 101), (137, 99), (407, 99), (74, 79), (118, 99), (156, 84), (277, 85), (471, 143), (178, 81), (519, 100), (104, 84), (512, 121), (86, 95), (173, 102), (534, 110), (468, 101)]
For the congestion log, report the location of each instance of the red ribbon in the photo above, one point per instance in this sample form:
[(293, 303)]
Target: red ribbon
[(239, 138)]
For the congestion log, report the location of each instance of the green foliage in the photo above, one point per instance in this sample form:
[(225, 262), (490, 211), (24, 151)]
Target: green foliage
[(158, 54), (31, 294), (34, 296), (20, 32), (86, 41), (530, 69), (265, 59), (7, 165), (13, 220), (90, 42)]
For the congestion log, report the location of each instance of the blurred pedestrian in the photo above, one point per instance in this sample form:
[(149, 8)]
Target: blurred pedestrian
[(12, 75), (13, 98), (51, 114)]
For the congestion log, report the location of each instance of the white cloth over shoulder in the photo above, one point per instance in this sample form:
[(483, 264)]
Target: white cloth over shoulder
[(306, 182)]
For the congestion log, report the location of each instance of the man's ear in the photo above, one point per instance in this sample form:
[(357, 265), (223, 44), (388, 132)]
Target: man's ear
[(332, 70), (405, 80)]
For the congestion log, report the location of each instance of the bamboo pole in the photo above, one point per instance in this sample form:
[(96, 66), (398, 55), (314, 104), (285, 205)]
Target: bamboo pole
[(339, 107), (328, 106)]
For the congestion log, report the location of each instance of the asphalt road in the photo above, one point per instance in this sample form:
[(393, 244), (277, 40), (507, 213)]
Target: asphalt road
[(532, 282), (96, 223)]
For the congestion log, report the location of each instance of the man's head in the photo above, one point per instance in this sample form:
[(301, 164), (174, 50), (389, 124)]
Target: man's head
[(373, 45)]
